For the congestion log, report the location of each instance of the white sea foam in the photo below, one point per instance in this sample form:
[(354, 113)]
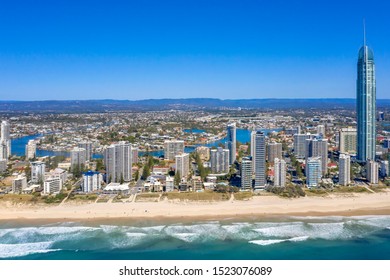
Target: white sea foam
[(187, 237), (267, 242), (20, 250)]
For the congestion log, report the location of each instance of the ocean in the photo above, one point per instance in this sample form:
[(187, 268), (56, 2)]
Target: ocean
[(293, 238)]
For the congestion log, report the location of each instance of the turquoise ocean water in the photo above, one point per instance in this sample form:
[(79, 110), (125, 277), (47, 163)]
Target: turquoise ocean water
[(309, 238)]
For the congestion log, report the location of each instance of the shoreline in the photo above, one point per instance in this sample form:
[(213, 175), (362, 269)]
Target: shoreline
[(259, 207)]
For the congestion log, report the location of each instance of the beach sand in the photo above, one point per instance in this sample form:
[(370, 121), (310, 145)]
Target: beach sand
[(332, 205)]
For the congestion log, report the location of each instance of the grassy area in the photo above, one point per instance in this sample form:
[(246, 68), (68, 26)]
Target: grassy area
[(82, 197), (54, 198), (103, 199), (344, 189), (120, 198), (243, 195), (201, 196), (316, 192), (20, 198), (148, 197)]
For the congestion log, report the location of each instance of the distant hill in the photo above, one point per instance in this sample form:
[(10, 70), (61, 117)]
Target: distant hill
[(107, 105)]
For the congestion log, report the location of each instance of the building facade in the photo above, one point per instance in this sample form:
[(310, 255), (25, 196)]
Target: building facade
[(366, 104), (183, 165), (260, 170), (344, 169), (280, 173), (92, 181), (246, 174), (31, 149), (231, 142), (372, 169), (348, 140), (173, 148), (313, 172), (219, 160), (318, 148), (117, 159), (274, 150), (37, 172)]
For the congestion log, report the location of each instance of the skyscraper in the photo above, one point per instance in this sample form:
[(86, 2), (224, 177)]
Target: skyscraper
[(260, 170), (246, 174), (280, 173), (299, 144), (219, 160), (117, 159), (77, 157), (344, 170), (5, 141), (372, 169), (347, 140), (183, 164), (318, 148), (31, 149), (231, 142), (366, 98), (274, 150), (87, 145), (173, 148), (313, 172)]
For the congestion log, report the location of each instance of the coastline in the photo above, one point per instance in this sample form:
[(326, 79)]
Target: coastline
[(264, 207)]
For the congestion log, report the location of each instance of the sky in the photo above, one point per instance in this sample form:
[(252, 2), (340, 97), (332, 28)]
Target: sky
[(141, 49)]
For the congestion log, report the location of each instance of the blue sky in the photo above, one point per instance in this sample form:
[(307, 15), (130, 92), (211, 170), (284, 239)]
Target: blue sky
[(188, 48)]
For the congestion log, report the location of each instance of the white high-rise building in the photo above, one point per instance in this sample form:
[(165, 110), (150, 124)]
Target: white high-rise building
[(173, 148), (384, 168), (183, 164), (372, 171), (318, 148), (19, 184), (313, 172), (231, 142), (321, 130), (260, 171), (87, 146), (31, 149), (118, 162), (169, 184), (344, 169), (274, 150), (219, 160), (77, 157), (52, 186), (5, 141), (3, 165), (280, 173), (348, 140), (92, 181), (37, 171), (246, 174)]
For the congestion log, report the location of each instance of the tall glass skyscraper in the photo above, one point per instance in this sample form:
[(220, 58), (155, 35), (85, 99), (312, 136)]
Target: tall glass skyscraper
[(231, 142), (366, 99)]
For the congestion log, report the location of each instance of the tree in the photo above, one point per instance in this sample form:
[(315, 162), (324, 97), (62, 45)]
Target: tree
[(145, 172), (136, 175), (122, 180), (177, 178)]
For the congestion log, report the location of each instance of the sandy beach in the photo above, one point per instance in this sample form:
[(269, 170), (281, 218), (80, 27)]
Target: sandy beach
[(344, 205)]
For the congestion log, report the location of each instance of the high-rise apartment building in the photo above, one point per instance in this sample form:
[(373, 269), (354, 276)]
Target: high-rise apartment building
[(300, 144), (87, 146), (384, 168), (366, 104), (279, 173), (173, 148), (274, 150), (313, 172), (91, 181), (372, 169), (246, 174), (344, 169), (5, 141), (117, 159), (77, 157), (219, 159), (37, 171), (183, 164), (348, 140), (260, 170), (318, 148), (231, 142), (31, 149)]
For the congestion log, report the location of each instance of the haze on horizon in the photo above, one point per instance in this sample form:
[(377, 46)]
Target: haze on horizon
[(152, 49)]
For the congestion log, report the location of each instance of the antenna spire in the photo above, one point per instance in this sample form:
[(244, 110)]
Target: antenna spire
[(364, 32)]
